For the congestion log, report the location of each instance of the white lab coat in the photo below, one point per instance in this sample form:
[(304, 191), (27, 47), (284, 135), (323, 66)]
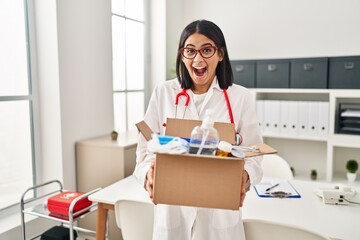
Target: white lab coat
[(185, 223)]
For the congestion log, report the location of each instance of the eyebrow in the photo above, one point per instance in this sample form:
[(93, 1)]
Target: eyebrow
[(205, 44)]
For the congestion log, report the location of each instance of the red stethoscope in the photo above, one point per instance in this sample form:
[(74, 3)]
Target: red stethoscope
[(187, 96)]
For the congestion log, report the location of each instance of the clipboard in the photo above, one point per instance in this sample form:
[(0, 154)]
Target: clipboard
[(275, 186)]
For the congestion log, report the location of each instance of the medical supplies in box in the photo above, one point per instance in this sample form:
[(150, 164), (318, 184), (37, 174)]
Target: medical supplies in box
[(59, 204), (198, 180)]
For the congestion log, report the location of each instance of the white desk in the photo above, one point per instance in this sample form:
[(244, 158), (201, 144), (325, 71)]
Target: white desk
[(336, 221), (309, 212)]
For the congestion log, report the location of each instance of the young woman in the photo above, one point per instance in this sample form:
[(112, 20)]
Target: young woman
[(203, 69)]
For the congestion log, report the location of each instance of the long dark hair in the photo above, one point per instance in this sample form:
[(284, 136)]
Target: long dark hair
[(213, 32)]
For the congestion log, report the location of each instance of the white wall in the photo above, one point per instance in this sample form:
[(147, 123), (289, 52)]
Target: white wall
[(85, 75), (47, 79), (278, 28), (174, 26), (74, 78), (157, 42)]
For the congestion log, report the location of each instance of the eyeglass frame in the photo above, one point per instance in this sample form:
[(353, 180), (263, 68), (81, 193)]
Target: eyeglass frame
[(181, 51)]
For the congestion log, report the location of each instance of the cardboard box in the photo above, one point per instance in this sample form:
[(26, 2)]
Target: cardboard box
[(198, 180)]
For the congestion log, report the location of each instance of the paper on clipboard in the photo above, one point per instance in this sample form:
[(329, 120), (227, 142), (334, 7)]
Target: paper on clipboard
[(281, 186)]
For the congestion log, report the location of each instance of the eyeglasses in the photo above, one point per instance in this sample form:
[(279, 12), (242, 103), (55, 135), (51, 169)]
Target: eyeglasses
[(205, 52)]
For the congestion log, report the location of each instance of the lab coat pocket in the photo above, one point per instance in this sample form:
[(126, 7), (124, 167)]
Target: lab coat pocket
[(222, 219), (167, 217)]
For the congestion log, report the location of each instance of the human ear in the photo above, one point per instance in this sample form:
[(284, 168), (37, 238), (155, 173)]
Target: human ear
[(221, 54)]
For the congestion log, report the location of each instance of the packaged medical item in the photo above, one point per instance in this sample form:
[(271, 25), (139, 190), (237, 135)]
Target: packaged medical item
[(204, 138), (168, 144), (223, 149)]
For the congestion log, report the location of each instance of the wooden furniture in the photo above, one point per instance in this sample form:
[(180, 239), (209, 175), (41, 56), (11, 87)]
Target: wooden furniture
[(101, 161)]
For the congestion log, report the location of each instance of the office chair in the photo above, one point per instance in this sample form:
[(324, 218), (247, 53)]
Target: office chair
[(135, 219), (265, 230), (275, 166)]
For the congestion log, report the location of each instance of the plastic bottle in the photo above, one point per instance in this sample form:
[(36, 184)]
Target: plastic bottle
[(205, 138), (224, 149)]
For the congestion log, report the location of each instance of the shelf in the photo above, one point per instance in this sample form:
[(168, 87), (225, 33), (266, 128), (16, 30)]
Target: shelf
[(32, 204), (327, 153), (351, 93), (41, 211), (295, 137), (345, 140), (290, 90), (306, 177), (341, 178), (345, 93)]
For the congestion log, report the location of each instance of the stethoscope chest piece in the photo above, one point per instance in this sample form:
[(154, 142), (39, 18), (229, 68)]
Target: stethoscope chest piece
[(187, 100)]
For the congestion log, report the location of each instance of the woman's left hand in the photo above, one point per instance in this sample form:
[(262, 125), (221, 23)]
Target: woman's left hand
[(245, 186)]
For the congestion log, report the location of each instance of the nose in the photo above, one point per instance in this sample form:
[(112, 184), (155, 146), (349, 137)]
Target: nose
[(198, 57)]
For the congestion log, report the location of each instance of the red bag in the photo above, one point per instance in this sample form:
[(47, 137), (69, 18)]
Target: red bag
[(59, 204)]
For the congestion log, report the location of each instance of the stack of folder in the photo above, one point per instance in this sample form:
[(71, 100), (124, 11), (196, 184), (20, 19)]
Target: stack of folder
[(293, 118), (349, 119)]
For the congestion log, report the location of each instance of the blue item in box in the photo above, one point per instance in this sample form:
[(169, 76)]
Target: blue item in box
[(166, 139)]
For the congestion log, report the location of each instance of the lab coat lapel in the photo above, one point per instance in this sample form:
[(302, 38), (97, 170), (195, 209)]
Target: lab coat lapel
[(192, 111), (209, 95)]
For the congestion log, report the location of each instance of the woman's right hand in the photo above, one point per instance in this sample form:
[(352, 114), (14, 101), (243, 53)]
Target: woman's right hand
[(149, 182)]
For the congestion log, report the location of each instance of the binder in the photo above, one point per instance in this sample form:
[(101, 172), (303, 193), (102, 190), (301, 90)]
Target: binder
[(303, 118), (323, 118), (275, 117), (260, 113), (313, 118), (284, 118), (293, 118), (267, 116), (268, 188)]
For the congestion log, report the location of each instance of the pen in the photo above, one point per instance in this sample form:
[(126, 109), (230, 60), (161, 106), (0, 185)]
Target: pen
[(268, 189)]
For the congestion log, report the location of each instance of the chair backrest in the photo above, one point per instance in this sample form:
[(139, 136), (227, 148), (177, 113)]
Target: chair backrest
[(275, 166), (135, 219), (265, 230)]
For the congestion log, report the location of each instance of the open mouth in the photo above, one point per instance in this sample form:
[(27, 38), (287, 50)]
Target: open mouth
[(199, 71)]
